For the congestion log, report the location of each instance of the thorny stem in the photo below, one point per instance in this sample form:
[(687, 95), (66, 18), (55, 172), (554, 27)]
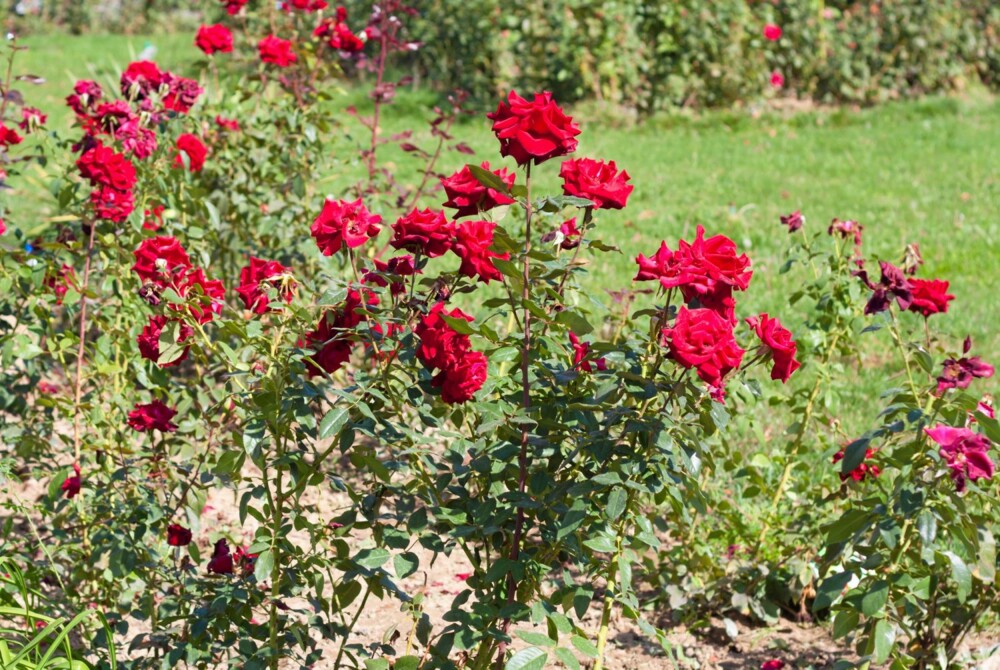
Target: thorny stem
[(522, 459), (894, 329), (78, 387), (609, 601)]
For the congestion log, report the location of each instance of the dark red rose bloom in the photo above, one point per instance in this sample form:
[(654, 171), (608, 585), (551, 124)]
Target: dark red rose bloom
[(221, 562), (930, 296), (256, 277), (777, 80), (440, 345), (152, 416), (332, 350), (959, 373), (9, 136), (32, 119), (149, 340), (111, 204), (597, 181), (846, 229), (178, 535), (773, 664), (227, 124), (71, 485), (706, 271), (772, 33), (343, 223), (703, 340), (571, 237), (794, 221), (182, 94), (215, 38), (140, 79), (426, 232), (195, 150), (581, 356), (103, 166), (111, 116), (473, 240), (85, 95), (153, 218), (60, 282), (777, 340), (276, 51), (401, 266), (338, 35), (859, 473), (536, 130), (965, 452), (137, 140), (893, 284), (161, 260), (460, 381), (205, 297), (467, 195), (304, 5), (233, 7)]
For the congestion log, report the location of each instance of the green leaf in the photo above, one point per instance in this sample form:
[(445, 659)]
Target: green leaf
[(406, 663), (405, 564), (601, 543), (584, 646), (885, 638), (616, 503), (372, 558), (170, 349), (961, 574), (830, 589), (875, 599), (854, 455), (575, 321), (263, 566), (567, 658), (333, 422), (844, 623), (488, 179), (537, 639), (531, 658), (376, 664), (460, 326)]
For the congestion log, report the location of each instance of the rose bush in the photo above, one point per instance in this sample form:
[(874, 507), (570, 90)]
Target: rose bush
[(392, 374)]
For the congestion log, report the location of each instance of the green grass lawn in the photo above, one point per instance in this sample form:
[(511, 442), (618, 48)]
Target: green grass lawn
[(920, 172)]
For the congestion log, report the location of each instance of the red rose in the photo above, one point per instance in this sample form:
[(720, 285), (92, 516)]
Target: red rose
[(930, 296), (778, 342), (425, 232), (276, 51), (338, 35), (140, 79), (214, 38), (256, 277), (195, 151), (777, 79), (460, 381), (893, 284), (227, 124), (401, 266), (103, 166), (152, 416), (181, 93), (32, 119), (343, 223), (581, 356), (9, 136), (71, 485), (111, 204), (304, 5), (774, 664), (571, 237), (221, 562), (178, 535), (161, 260), (85, 95), (3, 227), (149, 340), (470, 197), (846, 229), (703, 340), (706, 270), (772, 32), (859, 473), (332, 350), (153, 218), (205, 297), (596, 181), (959, 373), (536, 130), (61, 281), (473, 240), (966, 453), (440, 345)]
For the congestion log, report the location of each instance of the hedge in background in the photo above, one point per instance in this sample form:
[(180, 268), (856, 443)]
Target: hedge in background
[(658, 54)]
